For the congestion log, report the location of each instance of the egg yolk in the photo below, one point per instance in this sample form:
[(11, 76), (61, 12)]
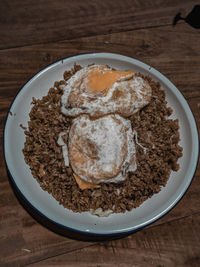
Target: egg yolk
[(83, 184), (100, 81)]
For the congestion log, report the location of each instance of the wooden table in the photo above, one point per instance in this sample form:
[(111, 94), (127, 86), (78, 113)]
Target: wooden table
[(34, 34)]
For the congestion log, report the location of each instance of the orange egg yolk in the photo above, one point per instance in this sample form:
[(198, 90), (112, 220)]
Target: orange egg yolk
[(100, 81), (83, 184)]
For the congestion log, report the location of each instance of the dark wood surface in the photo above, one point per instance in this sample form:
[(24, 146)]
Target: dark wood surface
[(34, 34)]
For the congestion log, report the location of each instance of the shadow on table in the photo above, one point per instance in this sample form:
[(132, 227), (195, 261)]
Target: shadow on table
[(193, 18), (56, 228)]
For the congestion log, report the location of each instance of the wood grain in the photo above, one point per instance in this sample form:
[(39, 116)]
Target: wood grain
[(35, 34), (160, 246), (28, 22), (168, 51)]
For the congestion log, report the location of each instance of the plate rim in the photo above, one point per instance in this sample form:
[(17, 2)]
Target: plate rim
[(146, 67)]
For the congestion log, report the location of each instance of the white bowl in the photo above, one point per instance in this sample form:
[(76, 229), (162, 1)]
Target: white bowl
[(153, 208)]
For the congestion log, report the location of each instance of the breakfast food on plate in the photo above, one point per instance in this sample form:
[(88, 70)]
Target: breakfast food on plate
[(99, 90), (102, 140), (101, 150)]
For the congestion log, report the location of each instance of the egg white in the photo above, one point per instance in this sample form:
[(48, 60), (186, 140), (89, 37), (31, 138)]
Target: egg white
[(93, 130), (136, 94)]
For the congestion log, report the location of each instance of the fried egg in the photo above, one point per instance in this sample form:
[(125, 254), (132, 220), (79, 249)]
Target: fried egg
[(100, 150), (98, 90)]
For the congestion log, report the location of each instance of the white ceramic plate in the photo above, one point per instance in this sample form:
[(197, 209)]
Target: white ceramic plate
[(45, 204)]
